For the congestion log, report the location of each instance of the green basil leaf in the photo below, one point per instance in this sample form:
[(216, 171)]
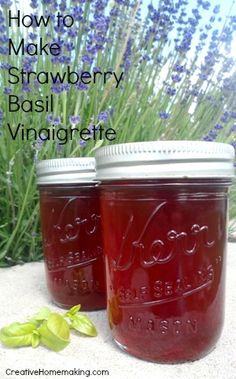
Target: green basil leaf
[(17, 334), (42, 315), (55, 332), (84, 325), (72, 311), (35, 339), (58, 326)]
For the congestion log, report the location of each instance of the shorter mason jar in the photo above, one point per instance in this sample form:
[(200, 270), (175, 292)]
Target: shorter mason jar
[(71, 230), (164, 219)]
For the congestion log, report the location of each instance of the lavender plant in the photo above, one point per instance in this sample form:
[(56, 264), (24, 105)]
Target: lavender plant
[(179, 82)]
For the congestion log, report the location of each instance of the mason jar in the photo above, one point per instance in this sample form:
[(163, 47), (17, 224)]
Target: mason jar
[(71, 230), (164, 217)]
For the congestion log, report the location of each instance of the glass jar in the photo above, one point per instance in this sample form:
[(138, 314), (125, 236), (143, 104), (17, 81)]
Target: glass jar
[(164, 218), (71, 229)]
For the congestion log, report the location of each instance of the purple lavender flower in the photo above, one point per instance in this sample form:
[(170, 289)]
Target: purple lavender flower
[(171, 91), (146, 57), (81, 86), (6, 3), (70, 46), (164, 115), (55, 60), (62, 6), (57, 120), (179, 68), (5, 66), (74, 120), (203, 76), (66, 87), (64, 59), (92, 49), (226, 35), (34, 4), (3, 39), (185, 44), (33, 36), (82, 143), (218, 126), (211, 136), (101, 23), (176, 78), (233, 114), (60, 29), (1, 117), (26, 87), (225, 118), (50, 118), (99, 39), (127, 55), (7, 91), (2, 28), (216, 9), (54, 120), (72, 32), (40, 142), (114, 12), (3, 50), (196, 13), (205, 4), (203, 36), (77, 13), (87, 59), (97, 69), (58, 88), (228, 64), (103, 116), (229, 85)]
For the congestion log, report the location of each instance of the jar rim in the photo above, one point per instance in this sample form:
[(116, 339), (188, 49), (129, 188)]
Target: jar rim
[(65, 170), (165, 159)]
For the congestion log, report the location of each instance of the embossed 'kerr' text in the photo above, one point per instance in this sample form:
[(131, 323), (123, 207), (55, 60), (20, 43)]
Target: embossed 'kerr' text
[(160, 250)]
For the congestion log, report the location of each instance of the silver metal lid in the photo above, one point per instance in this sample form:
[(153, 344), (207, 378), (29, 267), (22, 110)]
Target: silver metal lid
[(65, 170), (165, 159)]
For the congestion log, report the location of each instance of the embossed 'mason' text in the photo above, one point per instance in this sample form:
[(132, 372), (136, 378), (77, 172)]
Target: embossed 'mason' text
[(178, 326)]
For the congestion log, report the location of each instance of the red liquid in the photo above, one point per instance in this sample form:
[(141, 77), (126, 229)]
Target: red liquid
[(164, 248), (74, 261)]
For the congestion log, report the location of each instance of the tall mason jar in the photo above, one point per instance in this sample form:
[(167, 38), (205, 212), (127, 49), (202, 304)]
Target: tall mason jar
[(71, 230), (164, 212)]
